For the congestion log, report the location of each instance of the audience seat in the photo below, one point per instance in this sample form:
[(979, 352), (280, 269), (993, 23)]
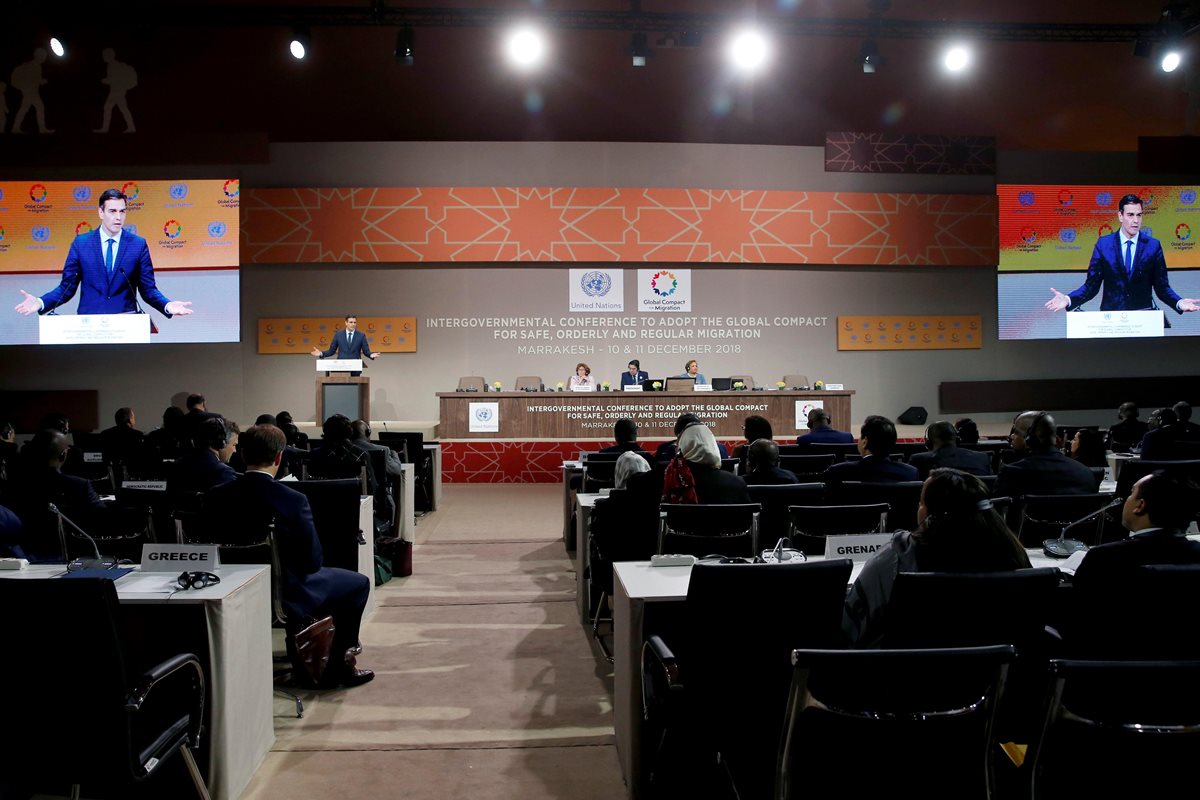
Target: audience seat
[(1043, 516), (809, 525), (702, 529), (902, 499), (775, 501)]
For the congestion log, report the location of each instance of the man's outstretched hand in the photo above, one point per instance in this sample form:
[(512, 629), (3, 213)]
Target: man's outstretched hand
[(30, 305), (1058, 302), (179, 308)]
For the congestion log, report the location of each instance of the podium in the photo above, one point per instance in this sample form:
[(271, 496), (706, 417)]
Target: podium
[(339, 392)]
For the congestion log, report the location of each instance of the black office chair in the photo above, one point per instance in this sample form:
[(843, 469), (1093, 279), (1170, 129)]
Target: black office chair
[(598, 474), (335, 507), (703, 529), (809, 525), (1043, 516), (1141, 614), (740, 623), (807, 466), (1117, 729), (76, 711), (838, 451), (879, 723), (1135, 469), (729, 465), (902, 499), (775, 501), (623, 527)]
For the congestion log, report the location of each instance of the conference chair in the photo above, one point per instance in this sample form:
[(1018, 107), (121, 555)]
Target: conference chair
[(472, 383), (729, 465), (884, 723), (528, 383), (1135, 469), (775, 501), (598, 474), (1117, 729), (796, 381), (1044, 516), (806, 466), (838, 451), (414, 453), (902, 499), (335, 506), (739, 624), (706, 529), (679, 384), (1142, 614), (77, 712), (809, 525), (623, 527), (748, 380)]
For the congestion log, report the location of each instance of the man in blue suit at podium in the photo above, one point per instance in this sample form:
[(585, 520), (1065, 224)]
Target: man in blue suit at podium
[(1129, 264), (348, 343), (109, 263)]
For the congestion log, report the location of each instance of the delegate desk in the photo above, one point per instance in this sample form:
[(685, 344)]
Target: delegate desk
[(590, 415), (234, 630)]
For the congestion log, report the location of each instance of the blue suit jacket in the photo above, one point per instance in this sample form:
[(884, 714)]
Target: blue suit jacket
[(342, 345), (629, 380), (1122, 292), (105, 293)]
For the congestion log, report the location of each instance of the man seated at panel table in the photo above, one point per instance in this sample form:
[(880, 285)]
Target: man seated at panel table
[(762, 458), (310, 589), (1042, 468), (625, 431), (634, 375), (876, 442), (821, 430), (942, 440)]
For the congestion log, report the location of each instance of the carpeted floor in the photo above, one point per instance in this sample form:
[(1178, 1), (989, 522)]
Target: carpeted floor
[(486, 683)]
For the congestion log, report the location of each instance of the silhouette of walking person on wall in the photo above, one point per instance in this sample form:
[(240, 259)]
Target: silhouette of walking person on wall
[(120, 79), (27, 78)]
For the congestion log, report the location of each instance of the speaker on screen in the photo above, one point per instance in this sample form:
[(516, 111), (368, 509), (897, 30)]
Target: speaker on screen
[(913, 415)]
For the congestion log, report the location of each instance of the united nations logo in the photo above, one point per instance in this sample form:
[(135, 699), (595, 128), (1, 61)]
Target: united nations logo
[(483, 414), (596, 283)]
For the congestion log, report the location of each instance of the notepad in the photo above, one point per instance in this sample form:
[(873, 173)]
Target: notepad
[(111, 574)]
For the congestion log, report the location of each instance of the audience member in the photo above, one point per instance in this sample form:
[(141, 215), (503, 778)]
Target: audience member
[(876, 441), (8, 451), (11, 534), (957, 531), (821, 431), (1188, 430), (763, 460), (170, 441), (668, 450), (701, 471), (942, 440), (123, 443), (1042, 468), (1157, 514), (1087, 447), (967, 430), (754, 428), (337, 457), (1161, 435), (1129, 431), (206, 465), (628, 465), (310, 589), (41, 481), (360, 437), (295, 437), (57, 421), (625, 431), (266, 419)]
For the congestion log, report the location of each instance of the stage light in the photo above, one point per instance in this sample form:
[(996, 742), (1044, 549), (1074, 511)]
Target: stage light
[(57, 47), (300, 44), (869, 57), (1171, 60), (638, 49), (526, 47), (748, 50), (404, 46), (957, 58)]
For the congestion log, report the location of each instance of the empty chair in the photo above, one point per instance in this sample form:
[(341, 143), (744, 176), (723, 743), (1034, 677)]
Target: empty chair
[(747, 380), (775, 501), (880, 723), (1143, 613), (838, 451), (528, 383), (796, 381), (806, 465), (902, 499), (740, 624), (809, 525), (1117, 729), (472, 383), (679, 384), (1043, 516), (701, 530)]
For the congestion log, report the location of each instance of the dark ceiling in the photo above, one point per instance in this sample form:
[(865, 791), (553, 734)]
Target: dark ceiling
[(223, 67)]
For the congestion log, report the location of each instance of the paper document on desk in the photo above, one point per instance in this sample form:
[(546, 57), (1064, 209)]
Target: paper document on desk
[(149, 583), (1073, 561)]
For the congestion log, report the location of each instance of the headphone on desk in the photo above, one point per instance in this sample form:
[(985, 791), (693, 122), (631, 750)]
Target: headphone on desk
[(196, 580)]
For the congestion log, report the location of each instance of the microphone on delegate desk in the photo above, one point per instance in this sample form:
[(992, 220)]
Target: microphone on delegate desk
[(1062, 547), (99, 562)]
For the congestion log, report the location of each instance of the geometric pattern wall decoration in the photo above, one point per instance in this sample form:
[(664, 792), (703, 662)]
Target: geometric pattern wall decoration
[(912, 153), (910, 332), (301, 334), (485, 461), (496, 225)]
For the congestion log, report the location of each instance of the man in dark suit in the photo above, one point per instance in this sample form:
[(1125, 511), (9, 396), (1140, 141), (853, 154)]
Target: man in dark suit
[(41, 482), (110, 263), (1129, 431), (123, 443), (1188, 430), (942, 440), (1157, 514), (348, 343), (206, 465), (634, 375), (821, 431), (1043, 469), (310, 589), (876, 442), (1162, 432), (1129, 264), (762, 457), (625, 432)]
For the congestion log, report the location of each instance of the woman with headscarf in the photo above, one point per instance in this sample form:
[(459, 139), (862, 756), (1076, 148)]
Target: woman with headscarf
[(957, 531), (698, 467), (628, 465)]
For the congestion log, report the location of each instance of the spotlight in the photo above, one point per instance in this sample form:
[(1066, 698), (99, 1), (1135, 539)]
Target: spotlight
[(526, 47), (639, 50), (57, 47), (300, 44), (404, 46), (870, 58), (957, 58), (1171, 60), (748, 50)]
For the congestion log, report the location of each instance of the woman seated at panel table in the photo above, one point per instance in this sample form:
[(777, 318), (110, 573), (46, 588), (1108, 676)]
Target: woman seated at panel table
[(957, 531), (582, 376), (692, 370)]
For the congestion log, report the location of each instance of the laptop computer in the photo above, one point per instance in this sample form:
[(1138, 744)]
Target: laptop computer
[(722, 384)]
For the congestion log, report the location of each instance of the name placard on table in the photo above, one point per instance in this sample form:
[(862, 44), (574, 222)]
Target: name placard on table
[(858, 547), (180, 557)]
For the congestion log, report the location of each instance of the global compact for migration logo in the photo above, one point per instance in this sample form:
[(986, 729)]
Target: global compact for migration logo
[(38, 192), (131, 190), (1183, 232), (172, 229), (233, 187), (82, 228), (663, 283), (1104, 230), (1028, 235), (1065, 197)]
